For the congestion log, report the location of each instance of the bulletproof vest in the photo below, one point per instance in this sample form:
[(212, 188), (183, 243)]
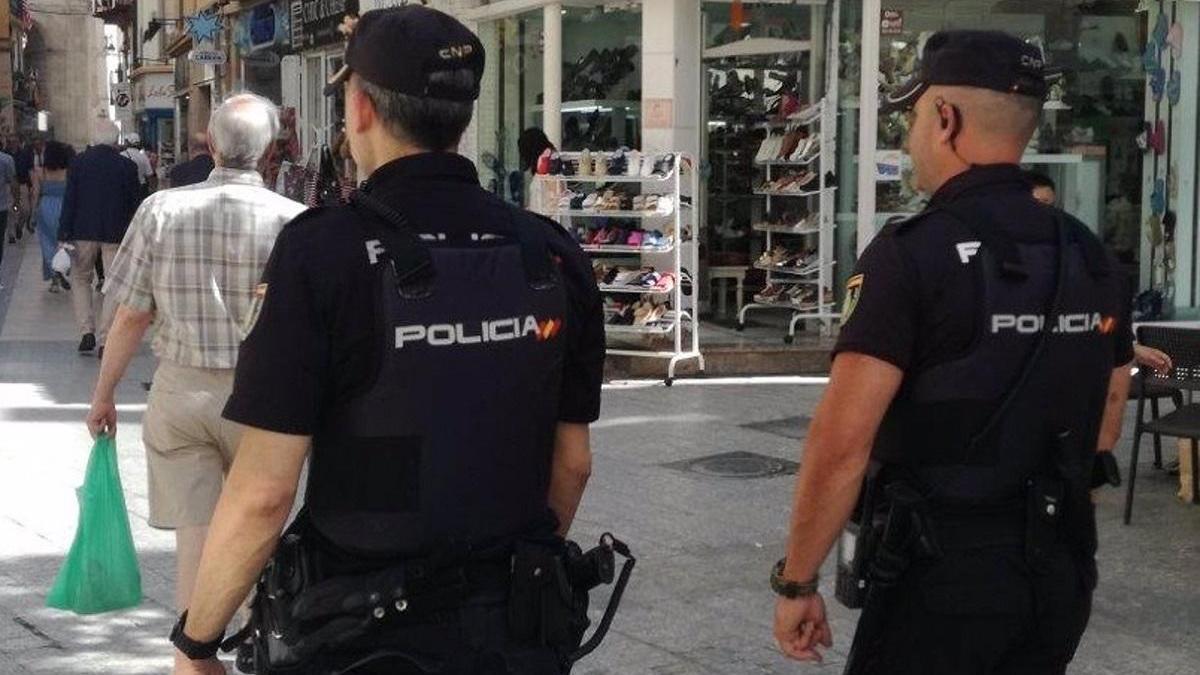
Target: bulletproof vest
[(942, 430), (451, 445)]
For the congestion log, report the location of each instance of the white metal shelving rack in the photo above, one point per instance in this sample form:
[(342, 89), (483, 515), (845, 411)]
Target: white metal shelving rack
[(681, 323), (820, 204)]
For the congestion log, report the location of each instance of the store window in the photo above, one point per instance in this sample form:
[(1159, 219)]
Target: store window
[(1087, 143), (510, 98), (602, 78), (600, 89), (321, 115), (760, 68)]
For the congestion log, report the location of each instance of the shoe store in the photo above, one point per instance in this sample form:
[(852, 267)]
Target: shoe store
[(773, 106)]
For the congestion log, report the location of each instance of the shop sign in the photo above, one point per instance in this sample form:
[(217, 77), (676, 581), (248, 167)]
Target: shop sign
[(315, 22), (892, 22), (156, 90), (207, 54)]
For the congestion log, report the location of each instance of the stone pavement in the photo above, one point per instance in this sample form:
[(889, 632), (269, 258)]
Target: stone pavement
[(698, 602)]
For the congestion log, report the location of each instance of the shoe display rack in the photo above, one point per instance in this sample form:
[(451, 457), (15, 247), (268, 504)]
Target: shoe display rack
[(634, 214), (796, 162)]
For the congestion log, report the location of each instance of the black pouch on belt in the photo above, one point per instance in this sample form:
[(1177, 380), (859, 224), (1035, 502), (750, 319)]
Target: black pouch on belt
[(541, 603), (1044, 503)]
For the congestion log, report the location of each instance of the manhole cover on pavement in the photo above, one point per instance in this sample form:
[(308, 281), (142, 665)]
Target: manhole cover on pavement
[(788, 427), (736, 465)]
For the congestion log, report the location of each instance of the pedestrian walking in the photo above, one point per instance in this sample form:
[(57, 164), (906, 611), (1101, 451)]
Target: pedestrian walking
[(49, 186), (959, 432), (192, 262), (8, 199), (101, 196), (29, 164), (380, 319), (197, 167), (133, 151)]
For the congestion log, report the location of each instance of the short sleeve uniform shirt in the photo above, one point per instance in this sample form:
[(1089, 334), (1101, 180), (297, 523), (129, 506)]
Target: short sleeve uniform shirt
[(913, 303), (313, 346)]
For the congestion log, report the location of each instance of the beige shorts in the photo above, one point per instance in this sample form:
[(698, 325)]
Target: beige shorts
[(189, 446)]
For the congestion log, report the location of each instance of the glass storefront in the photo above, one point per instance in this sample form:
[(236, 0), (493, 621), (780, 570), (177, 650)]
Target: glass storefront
[(760, 61), (1087, 143)]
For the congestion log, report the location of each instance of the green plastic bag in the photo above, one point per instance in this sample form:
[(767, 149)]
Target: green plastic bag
[(101, 572)]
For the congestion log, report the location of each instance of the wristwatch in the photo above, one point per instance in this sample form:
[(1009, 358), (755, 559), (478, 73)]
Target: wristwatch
[(196, 651), (1105, 470), (791, 589)]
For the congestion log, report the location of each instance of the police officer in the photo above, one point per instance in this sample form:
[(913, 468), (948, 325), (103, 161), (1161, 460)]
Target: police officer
[(968, 385), (437, 354)]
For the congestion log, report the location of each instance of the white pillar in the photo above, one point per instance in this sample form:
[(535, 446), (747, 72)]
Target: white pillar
[(868, 121), (671, 75), (552, 64)]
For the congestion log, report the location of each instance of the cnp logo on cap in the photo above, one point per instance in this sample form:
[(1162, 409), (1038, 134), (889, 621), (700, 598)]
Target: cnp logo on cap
[(411, 50)]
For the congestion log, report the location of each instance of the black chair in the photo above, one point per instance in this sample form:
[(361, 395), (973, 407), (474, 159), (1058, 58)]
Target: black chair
[(1153, 393), (1183, 345)]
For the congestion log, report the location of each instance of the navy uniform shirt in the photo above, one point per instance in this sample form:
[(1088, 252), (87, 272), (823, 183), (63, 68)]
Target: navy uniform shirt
[(315, 343), (913, 303)]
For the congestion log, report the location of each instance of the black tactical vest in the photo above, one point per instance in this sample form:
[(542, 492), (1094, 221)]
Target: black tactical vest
[(934, 433), (451, 446)]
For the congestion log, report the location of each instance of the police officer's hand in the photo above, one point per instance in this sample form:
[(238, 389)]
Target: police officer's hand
[(102, 419), (800, 626), (186, 666)]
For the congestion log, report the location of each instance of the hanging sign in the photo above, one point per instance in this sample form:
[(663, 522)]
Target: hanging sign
[(207, 54), (203, 27), (122, 101), (892, 22)]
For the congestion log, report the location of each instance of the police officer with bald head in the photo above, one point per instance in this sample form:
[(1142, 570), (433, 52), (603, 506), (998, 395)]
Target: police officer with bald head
[(984, 351)]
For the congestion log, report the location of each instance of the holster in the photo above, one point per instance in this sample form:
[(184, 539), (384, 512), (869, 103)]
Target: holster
[(548, 603)]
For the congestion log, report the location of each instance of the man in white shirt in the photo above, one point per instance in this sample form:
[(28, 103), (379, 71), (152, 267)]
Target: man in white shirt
[(133, 150)]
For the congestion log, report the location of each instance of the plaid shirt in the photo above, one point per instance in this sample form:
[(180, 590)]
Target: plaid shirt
[(194, 256)]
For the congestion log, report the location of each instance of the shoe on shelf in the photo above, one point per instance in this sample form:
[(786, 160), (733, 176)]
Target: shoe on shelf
[(88, 342), (648, 164), (585, 162)]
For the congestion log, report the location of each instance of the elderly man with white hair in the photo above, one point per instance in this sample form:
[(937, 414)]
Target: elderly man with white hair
[(101, 196), (192, 260)]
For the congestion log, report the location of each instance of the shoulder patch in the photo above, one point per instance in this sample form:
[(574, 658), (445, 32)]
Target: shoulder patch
[(854, 286)]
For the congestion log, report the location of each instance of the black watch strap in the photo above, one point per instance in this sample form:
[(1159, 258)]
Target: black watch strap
[(791, 589), (196, 651), (1105, 470)]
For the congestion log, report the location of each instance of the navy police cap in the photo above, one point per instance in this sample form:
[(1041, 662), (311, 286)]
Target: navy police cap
[(974, 58), (402, 48)]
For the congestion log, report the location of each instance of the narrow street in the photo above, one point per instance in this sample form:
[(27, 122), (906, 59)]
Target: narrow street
[(699, 601)]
